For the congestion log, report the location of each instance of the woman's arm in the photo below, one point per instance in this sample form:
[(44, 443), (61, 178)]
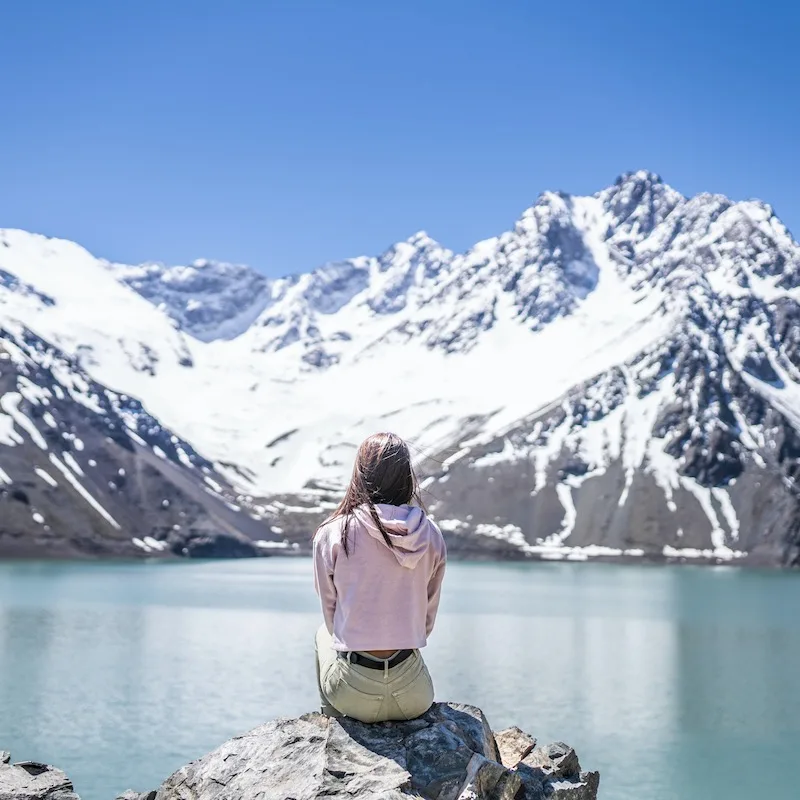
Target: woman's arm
[(434, 592), (323, 577)]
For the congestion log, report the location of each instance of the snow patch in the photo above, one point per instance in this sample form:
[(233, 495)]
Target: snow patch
[(46, 477), (80, 489), (72, 464), (9, 402), (451, 525), (8, 435), (724, 554)]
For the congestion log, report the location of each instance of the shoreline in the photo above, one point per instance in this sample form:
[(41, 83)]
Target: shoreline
[(743, 562)]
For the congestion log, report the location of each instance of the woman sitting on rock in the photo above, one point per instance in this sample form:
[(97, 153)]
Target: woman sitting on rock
[(378, 568)]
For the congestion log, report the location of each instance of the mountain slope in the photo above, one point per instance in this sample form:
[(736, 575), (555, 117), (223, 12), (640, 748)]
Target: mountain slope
[(616, 375), (86, 471)]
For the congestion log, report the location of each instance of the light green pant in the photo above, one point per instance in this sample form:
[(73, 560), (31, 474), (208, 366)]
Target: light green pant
[(371, 695)]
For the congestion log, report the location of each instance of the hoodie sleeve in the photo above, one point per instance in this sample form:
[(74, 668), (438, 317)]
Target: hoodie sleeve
[(324, 560), (435, 590)]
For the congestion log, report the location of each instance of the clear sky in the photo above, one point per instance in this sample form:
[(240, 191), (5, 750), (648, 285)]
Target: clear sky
[(286, 134)]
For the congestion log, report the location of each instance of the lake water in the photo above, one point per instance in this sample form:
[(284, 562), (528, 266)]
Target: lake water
[(675, 683)]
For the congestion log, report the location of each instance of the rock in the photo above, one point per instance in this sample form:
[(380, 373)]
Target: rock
[(513, 745), (554, 772), (558, 759), (489, 779), (211, 544), (449, 753), (30, 780)]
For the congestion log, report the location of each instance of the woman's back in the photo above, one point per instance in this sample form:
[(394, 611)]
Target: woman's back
[(378, 568), (380, 595)]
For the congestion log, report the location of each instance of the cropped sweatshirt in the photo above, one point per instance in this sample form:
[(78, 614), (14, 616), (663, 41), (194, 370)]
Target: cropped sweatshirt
[(377, 597)]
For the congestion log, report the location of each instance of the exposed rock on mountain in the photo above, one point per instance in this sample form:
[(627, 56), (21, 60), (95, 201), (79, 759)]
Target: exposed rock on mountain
[(207, 299), (87, 471), (616, 376)]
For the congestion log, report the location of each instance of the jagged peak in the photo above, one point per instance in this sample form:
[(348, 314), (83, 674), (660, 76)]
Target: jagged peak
[(640, 176), (639, 185), (547, 202), (422, 240), (550, 198)]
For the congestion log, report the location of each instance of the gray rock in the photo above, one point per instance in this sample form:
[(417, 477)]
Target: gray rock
[(449, 753), (583, 787), (513, 744), (5, 757), (488, 779), (30, 780), (558, 760), (554, 772)]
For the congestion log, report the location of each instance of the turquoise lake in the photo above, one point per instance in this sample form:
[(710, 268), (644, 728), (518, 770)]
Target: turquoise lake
[(674, 682)]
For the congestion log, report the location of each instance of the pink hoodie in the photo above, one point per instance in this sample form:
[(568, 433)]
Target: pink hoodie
[(376, 597)]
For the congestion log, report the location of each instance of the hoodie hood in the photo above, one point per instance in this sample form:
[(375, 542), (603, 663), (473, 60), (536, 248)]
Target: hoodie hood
[(409, 530)]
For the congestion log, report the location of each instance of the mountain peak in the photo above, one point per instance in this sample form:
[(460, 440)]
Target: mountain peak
[(421, 240), (662, 334), (641, 176), (639, 202)]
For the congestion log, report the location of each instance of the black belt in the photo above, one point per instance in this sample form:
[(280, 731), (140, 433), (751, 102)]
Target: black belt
[(398, 658)]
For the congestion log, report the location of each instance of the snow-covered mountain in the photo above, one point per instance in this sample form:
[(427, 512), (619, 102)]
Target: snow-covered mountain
[(617, 375), (88, 471)]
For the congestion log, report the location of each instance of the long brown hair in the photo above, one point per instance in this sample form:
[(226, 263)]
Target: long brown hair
[(383, 473)]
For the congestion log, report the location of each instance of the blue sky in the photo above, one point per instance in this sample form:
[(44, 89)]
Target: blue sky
[(286, 134)]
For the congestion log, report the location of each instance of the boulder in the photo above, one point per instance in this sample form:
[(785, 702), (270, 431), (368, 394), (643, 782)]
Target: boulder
[(29, 780), (554, 772), (513, 744), (449, 753)]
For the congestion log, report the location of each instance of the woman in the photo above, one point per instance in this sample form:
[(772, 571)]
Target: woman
[(378, 568)]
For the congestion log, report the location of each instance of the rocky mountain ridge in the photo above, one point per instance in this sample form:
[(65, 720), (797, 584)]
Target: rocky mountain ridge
[(616, 376)]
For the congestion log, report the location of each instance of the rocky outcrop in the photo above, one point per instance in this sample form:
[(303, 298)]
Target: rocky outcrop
[(29, 780), (449, 753)]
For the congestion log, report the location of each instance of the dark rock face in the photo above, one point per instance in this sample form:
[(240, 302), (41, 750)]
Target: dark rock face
[(687, 454), (211, 544)]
